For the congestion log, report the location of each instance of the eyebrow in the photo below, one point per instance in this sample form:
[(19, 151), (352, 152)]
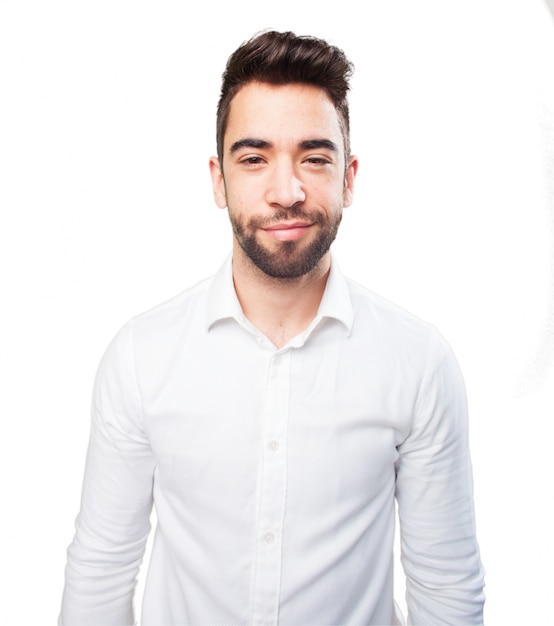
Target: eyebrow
[(314, 144), (248, 142), (261, 144)]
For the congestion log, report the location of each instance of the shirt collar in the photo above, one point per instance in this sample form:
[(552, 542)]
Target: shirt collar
[(224, 304), (222, 297), (336, 303)]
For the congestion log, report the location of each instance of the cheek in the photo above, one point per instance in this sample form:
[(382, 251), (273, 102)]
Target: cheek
[(329, 196), (246, 197)]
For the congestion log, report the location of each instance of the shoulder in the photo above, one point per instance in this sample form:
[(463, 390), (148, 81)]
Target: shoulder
[(395, 330), (150, 332), (372, 308), (185, 304)]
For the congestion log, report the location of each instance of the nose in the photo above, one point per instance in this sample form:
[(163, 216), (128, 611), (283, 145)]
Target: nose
[(285, 189)]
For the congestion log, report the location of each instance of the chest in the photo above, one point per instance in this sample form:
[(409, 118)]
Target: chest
[(328, 416)]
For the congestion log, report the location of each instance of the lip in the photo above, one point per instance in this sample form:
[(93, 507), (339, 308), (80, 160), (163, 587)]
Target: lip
[(288, 231)]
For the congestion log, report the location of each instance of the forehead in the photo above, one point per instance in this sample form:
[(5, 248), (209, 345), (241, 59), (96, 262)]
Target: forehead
[(281, 113)]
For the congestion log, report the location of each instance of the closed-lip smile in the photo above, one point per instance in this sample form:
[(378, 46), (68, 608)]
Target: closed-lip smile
[(287, 231)]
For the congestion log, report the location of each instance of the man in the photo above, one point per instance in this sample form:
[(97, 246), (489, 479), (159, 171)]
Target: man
[(273, 412)]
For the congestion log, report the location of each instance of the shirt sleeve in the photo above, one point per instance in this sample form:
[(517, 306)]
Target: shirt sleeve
[(439, 550), (114, 520)]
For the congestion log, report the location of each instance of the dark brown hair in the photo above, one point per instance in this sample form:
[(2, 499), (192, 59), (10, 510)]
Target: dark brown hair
[(284, 58)]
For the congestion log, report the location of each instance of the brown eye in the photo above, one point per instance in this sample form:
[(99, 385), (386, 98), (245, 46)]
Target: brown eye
[(253, 160), (317, 160)]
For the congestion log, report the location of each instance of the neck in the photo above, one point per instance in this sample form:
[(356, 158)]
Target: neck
[(280, 308)]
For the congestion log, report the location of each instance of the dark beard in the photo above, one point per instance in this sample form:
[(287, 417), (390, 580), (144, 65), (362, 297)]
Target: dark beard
[(291, 260)]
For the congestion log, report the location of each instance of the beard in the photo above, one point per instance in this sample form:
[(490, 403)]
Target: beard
[(290, 259)]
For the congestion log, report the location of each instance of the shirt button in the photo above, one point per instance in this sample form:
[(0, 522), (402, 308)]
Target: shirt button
[(269, 537), (277, 360), (274, 446)]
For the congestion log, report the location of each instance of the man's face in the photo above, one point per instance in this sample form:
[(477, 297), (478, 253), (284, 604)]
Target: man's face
[(283, 178)]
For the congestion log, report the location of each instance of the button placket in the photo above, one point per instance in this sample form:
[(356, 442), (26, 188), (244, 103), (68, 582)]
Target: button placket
[(267, 581)]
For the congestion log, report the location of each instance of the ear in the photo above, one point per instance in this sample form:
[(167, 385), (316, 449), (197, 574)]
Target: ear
[(218, 183), (349, 176)]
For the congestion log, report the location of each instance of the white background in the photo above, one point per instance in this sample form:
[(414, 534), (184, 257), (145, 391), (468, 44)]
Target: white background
[(107, 115)]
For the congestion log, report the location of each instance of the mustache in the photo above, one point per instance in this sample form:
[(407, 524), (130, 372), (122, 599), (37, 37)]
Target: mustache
[(285, 215)]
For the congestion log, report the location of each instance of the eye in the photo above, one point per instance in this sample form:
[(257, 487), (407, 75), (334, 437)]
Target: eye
[(317, 160), (251, 160)]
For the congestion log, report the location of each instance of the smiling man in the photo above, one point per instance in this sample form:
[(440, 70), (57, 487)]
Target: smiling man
[(275, 412), (286, 177)]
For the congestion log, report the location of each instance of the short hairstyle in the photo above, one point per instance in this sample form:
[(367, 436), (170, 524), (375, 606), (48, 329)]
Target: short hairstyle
[(282, 58)]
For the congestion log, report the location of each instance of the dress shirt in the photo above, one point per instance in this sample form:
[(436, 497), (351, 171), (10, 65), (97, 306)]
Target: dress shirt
[(274, 472)]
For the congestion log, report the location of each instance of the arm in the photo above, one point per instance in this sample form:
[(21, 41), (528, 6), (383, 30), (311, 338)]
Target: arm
[(114, 521), (434, 490)]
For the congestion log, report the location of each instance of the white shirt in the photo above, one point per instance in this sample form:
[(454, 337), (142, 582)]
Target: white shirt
[(274, 472)]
